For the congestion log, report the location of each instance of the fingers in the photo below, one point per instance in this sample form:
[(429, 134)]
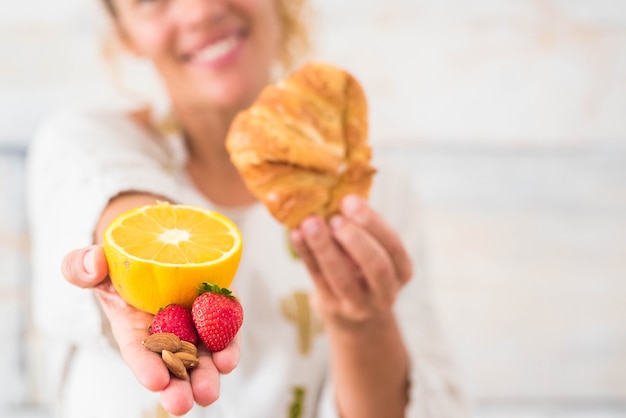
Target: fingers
[(130, 327), (205, 379), (356, 260), (300, 246), (372, 258), (129, 330), (296, 237), (330, 266), (85, 267), (148, 367), (177, 397), (356, 209)]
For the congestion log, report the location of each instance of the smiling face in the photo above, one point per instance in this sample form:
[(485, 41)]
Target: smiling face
[(209, 53)]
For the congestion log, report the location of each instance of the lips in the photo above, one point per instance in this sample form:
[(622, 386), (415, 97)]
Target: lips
[(217, 50)]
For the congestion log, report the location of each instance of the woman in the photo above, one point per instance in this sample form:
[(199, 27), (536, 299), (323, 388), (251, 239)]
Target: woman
[(373, 351)]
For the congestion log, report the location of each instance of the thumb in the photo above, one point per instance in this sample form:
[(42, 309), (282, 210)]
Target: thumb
[(85, 267)]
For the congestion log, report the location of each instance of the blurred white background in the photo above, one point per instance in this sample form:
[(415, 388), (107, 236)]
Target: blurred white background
[(511, 114)]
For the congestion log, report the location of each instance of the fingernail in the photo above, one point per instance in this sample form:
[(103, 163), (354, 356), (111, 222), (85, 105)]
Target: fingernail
[(336, 222), (351, 204), (88, 261)]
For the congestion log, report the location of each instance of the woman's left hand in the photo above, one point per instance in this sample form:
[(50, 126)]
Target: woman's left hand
[(357, 261)]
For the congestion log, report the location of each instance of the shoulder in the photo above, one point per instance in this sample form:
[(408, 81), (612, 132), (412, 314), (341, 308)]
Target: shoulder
[(74, 124), (86, 134), (85, 117)]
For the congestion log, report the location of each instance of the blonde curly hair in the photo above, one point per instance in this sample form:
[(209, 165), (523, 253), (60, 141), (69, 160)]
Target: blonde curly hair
[(293, 14)]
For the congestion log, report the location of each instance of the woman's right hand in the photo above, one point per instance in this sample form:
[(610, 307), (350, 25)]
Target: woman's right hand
[(87, 268)]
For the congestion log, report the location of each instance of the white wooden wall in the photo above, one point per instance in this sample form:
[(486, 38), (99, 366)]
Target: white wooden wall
[(510, 114)]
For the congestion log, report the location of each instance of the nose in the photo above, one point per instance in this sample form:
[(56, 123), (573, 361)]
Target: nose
[(200, 12)]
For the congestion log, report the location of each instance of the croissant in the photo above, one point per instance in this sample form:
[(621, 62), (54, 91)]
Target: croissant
[(302, 145)]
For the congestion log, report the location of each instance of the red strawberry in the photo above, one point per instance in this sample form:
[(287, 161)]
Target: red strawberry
[(218, 315), (177, 320)]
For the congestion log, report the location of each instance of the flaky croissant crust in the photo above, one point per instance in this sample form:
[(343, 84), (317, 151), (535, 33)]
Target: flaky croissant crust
[(302, 146)]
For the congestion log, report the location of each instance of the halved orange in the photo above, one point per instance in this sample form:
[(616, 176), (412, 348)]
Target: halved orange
[(158, 254)]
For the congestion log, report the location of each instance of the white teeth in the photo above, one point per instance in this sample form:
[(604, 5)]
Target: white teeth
[(216, 50)]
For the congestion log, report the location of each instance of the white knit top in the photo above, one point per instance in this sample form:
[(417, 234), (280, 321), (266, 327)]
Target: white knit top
[(78, 161)]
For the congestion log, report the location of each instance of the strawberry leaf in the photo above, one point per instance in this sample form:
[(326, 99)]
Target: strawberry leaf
[(206, 287)]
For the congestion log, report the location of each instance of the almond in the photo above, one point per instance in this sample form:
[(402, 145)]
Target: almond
[(189, 360), (174, 364), (162, 341), (187, 347)]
